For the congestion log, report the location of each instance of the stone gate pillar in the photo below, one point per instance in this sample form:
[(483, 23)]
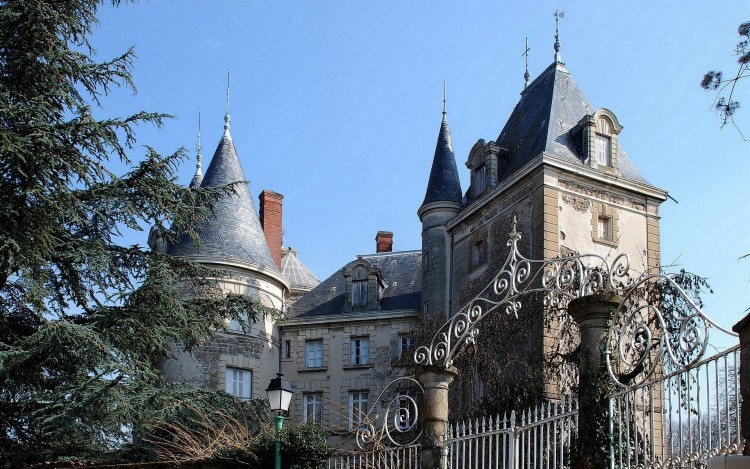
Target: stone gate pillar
[(435, 381), (592, 313)]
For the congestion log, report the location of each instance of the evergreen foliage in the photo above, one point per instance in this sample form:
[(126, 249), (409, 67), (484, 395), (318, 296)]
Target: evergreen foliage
[(86, 319), (303, 446)]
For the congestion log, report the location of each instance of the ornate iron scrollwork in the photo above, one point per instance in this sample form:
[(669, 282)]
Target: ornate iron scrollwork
[(558, 280), (399, 424)]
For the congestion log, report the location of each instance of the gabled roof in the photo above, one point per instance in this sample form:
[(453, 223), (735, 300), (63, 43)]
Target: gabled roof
[(296, 273), (233, 231), (542, 121), (402, 272), (444, 184)]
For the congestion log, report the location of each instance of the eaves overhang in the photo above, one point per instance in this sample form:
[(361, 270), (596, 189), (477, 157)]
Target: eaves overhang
[(548, 159), (338, 318)]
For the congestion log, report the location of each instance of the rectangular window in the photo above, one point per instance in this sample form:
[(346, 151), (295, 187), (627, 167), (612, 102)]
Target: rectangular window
[(406, 412), (312, 408), (314, 353), (481, 173), (404, 345), (603, 150), (604, 228), (478, 253), (239, 383), (360, 351), (359, 293), (358, 405), (288, 349)]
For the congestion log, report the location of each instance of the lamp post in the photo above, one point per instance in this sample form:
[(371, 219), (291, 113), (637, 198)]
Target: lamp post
[(279, 396)]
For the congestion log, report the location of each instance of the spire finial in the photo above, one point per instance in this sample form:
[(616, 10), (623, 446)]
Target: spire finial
[(558, 15), (526, 75), (444, 100), (198, 177), (198, 147), (226, 116)]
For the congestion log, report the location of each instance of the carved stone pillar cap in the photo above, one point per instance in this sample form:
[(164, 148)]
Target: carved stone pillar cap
[(430, 375), (594, 309)]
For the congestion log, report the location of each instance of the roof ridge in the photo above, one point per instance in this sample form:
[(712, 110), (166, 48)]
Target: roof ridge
[(390, 253)]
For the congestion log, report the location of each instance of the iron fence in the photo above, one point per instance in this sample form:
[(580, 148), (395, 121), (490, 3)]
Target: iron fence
[(539, 437), (402, 457), (681, 419)]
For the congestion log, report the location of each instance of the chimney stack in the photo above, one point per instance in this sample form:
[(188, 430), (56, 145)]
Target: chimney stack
[(384, 241), (270, 220)]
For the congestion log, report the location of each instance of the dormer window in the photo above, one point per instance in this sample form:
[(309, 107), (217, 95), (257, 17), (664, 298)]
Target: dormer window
[(359, 293), (598, 133), (481, 178), (483, 164), (603, 150), (363, 286)]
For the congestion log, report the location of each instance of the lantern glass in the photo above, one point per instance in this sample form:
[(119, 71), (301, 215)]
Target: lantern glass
[(279, 394)]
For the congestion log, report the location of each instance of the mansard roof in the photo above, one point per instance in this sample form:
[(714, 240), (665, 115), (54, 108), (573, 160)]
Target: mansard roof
[(402, 272), (550, 107), (444, 185), (233, 231), (296, 273)]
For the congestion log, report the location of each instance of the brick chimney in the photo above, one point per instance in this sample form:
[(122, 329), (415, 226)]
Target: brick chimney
[(270, 220), (384, 241)]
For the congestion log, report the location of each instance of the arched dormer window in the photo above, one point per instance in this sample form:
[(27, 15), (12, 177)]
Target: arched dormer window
[(364, 285), (484, 166), (359, 286), (603, 144), (599, 133)]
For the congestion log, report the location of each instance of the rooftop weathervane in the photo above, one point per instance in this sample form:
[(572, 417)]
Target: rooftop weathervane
[(558, 15)]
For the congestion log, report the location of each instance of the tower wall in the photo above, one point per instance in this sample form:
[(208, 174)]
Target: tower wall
[(436, 258)]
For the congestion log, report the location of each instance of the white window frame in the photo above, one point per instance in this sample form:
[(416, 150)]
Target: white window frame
[(359, 349), (239, 382), (312, 408), (603, 150), (287, 349), (314, 353), (359, 402)]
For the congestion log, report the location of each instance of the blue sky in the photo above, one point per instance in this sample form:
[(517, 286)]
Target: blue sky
[(337, 105)]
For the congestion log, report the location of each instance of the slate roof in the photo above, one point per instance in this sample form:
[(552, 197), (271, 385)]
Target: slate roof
[(549, 108), (296, 273), (402, 272), (233, 232), (444, 184)]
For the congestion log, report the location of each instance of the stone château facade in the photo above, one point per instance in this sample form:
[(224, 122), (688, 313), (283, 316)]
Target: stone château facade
[(556, 166)]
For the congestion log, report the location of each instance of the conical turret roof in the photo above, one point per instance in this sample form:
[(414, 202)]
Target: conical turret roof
[(296, 273), (233, 231), (542, 121), (444, 185)]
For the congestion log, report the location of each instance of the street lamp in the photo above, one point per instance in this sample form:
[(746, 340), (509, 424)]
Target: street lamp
[(279, 396)]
